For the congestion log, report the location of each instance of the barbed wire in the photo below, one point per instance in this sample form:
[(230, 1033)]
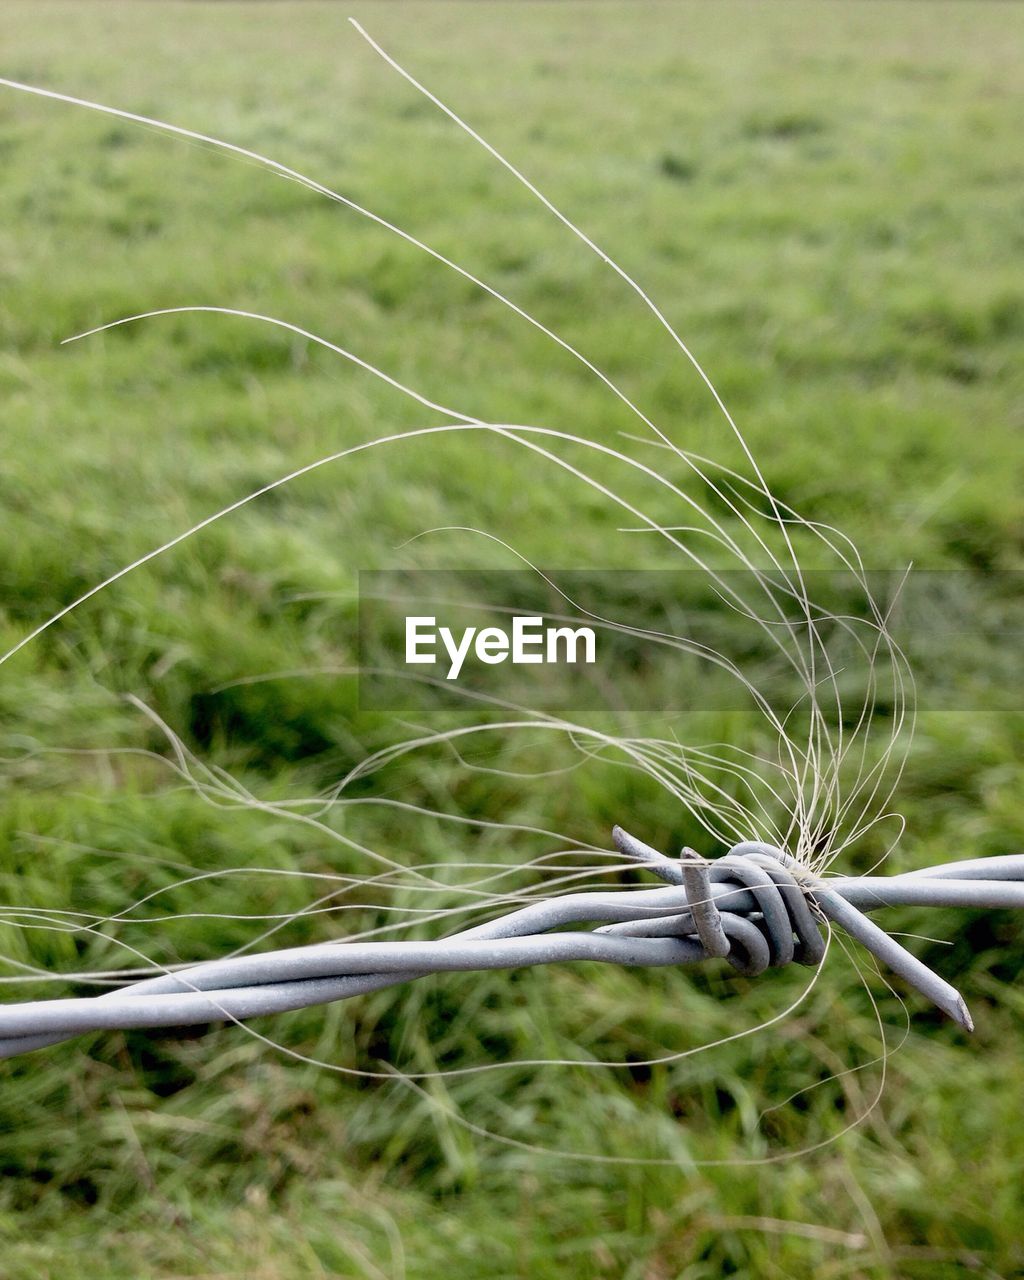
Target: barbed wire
[(756, 907)]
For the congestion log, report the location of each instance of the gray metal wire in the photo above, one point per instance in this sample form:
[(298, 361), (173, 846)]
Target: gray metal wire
[(756, 907)]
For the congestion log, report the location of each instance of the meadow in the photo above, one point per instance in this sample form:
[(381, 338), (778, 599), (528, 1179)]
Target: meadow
[(827, 201)]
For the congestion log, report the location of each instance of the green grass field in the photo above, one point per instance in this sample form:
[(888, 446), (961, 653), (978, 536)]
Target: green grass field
[(827, 201)]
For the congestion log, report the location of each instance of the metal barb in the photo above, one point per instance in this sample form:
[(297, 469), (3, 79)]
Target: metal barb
[(661, 866), (707, 919), (885, 948)]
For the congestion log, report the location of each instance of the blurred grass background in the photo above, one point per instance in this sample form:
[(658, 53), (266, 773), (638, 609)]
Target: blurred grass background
[(827, 200)]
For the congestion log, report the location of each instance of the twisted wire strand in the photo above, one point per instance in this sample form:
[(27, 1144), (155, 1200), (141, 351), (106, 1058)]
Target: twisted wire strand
[(756, 907)]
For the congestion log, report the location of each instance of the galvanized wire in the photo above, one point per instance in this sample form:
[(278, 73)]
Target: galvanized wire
[(756, 907)]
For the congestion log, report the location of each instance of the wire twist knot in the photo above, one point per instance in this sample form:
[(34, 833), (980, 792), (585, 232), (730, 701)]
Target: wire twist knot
[(778, 929)]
